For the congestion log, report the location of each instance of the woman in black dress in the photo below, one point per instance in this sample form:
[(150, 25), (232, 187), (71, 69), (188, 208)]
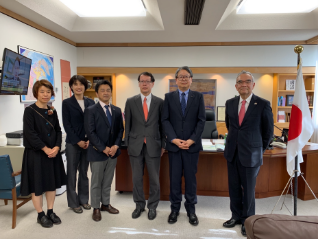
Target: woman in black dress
[(42, 167)]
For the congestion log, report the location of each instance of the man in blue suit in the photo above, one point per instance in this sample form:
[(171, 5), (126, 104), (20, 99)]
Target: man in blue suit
[(104, 127), (183, 120), (249, 121)]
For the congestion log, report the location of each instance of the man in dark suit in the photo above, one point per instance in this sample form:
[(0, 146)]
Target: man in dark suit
[(249, 121), (146, 142), (183, 120), (104, 128), (76, 144)]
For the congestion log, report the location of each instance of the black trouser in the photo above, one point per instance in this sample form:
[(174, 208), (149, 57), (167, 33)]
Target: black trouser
[(242, 182), (186, 164), (153, 167), (76, 160)]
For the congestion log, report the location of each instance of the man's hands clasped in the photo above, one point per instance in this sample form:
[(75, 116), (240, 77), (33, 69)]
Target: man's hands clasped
[(183, 144)]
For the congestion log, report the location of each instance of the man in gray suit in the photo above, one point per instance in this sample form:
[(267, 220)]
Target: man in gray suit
[(146, 142)]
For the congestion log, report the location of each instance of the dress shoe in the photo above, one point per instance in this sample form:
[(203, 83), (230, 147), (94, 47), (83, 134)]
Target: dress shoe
[(96, 215), (45, 222), (137, 212), (243, 230), (55, 219), (86, 206), (173, 217), (193, 220), (152, 214), (231, 223), (78, 209), (109, 209)]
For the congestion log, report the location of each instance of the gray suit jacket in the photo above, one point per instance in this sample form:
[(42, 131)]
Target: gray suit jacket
[(137, 128)]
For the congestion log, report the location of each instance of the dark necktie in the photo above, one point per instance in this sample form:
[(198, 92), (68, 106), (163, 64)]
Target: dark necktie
[(183, 103), (109, 116)]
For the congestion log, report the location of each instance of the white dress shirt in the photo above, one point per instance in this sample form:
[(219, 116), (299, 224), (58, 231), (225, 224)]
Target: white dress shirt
[(81, 104), (148, 101), (247, 103)]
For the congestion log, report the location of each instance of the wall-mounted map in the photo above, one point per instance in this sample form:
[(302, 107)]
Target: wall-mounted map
[(42, 68), (206, 87)]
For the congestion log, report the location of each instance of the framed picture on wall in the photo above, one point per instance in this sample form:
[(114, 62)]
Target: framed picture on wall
[(42, 68), (205, 86), (289, 100), (221, 113)]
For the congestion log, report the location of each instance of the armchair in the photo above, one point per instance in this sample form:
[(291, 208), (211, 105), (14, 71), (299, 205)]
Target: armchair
[(10, 183)]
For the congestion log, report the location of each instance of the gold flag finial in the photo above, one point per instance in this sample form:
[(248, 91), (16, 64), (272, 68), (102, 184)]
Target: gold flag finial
[(298, 49)]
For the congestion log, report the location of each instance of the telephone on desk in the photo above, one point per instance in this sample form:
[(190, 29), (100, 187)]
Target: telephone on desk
[(279, 145)]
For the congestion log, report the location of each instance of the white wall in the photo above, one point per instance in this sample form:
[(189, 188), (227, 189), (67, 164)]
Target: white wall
[(14, 33), (204, 56), (127, 86)]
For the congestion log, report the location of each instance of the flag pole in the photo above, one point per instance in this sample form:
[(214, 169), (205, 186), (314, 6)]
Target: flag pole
[(298, 49)]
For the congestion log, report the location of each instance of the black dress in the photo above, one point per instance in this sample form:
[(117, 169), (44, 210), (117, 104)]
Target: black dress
[(39, 172)]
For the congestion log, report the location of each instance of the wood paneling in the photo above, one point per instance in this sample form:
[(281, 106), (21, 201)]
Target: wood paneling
[(195, 70), (212, 179), (34, 25)]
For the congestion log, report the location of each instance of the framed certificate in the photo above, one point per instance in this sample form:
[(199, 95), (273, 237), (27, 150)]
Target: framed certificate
[(221, 113)]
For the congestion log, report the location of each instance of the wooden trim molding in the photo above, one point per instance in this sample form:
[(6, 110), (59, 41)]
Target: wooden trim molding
[(313, 40), (34, 25), (182, 44), (196, 70)]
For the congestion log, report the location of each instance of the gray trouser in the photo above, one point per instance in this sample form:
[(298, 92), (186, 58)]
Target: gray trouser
[(101, 181), (76, 161), (153, 167)]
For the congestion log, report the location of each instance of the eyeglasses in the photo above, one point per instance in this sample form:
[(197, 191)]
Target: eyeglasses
[(240, 82), (145, 82), (185, 78)]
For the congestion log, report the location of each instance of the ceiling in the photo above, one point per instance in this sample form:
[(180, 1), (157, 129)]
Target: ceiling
[(165, 23)]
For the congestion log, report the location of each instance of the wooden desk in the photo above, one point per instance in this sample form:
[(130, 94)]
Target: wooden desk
[(212, 174)]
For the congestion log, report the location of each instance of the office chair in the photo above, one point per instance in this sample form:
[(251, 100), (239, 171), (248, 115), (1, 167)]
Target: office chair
[(210, 130)]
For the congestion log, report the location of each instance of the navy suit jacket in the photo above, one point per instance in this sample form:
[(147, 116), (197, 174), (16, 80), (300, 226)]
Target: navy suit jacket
[(189, 126), (255, 133), (73, 119), (100, 133)]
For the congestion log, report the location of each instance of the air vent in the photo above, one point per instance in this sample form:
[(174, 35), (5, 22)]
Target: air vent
[(193, 11)]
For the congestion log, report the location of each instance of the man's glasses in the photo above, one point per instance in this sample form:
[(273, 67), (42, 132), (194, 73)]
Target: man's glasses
[(145, 82), (241, 82), (184, 78)]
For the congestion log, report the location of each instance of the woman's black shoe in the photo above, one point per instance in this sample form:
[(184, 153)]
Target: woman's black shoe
[(45, 222), (55, 219)]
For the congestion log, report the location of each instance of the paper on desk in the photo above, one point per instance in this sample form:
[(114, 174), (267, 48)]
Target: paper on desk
[(218, 141), (310, 143), (206, 142)]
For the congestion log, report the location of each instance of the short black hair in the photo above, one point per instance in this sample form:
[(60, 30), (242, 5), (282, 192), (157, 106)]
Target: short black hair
[(145, 73), (79, 78), (104, 82), (184, 68)]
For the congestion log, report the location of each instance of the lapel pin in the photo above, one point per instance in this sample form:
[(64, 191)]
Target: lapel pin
[(255, 103)]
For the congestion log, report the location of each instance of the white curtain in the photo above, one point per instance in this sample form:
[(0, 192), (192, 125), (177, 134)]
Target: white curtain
[(314, 137)]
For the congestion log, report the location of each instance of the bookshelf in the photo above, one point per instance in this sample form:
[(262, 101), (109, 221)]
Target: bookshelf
[(90, 93), (279, 90)]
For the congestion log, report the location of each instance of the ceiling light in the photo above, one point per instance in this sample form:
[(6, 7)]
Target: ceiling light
[(106, 8), (275, 6)]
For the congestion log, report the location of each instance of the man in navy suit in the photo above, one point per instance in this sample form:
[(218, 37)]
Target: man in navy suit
[(249, 120), (76, 144), (183, 120), (104, 127)]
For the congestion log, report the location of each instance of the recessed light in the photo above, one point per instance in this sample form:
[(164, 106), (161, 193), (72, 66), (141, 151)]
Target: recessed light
[(275, 6), (106, 8)]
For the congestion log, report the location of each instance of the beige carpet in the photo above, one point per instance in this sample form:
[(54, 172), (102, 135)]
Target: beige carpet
[(211, 211)]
